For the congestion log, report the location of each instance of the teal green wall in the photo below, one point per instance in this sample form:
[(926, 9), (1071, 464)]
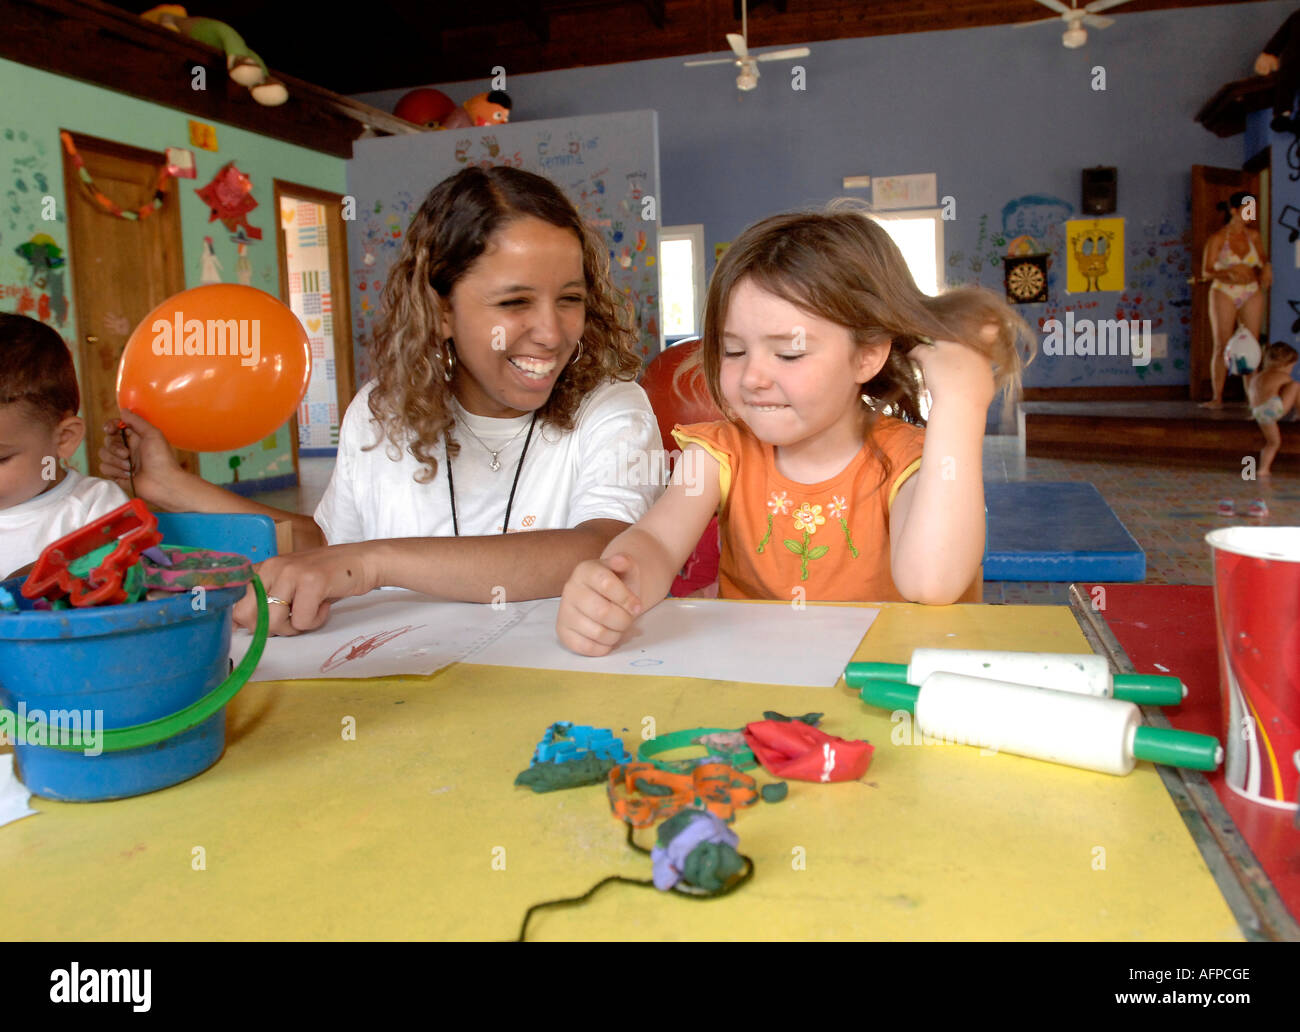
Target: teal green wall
[(35, 105)]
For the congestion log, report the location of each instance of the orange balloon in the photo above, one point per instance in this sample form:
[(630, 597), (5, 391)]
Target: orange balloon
[(216, 368)]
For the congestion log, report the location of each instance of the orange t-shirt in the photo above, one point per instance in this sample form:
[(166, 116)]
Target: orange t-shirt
[(831, 538)]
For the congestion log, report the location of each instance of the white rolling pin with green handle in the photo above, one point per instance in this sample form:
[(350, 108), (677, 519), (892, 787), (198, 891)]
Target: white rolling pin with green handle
[(1088, 731), (1083, 673)]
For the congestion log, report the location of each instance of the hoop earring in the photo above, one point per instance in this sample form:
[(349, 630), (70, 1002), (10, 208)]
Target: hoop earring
[(448, 359), (577, 355)]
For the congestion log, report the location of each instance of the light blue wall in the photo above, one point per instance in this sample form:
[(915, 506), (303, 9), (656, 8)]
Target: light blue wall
[(1006, 117)]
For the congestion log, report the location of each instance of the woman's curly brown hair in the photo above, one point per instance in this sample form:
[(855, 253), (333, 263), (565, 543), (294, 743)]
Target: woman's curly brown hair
[(411, 399)]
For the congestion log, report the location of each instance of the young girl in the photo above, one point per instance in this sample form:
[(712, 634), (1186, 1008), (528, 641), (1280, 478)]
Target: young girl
[(502, 401), (813, 334), (1272, 394)]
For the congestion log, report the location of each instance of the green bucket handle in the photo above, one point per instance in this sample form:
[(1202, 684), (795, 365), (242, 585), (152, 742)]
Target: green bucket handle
[(138, 735)]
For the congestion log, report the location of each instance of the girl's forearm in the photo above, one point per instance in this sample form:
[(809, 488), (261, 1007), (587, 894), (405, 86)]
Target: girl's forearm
[(943, 539), (509, 568), (655, 564)]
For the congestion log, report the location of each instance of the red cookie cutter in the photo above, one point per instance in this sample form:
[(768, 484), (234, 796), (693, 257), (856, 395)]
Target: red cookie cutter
[(716, 787), (134, 528)]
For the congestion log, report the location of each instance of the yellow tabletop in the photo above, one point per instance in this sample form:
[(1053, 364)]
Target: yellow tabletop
[(414, 830)]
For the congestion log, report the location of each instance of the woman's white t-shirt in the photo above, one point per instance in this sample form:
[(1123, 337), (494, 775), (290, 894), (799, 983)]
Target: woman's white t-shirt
[(608, 467)]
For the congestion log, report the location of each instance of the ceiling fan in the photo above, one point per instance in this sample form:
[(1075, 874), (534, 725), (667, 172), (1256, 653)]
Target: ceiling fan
[(744, 60), (1076, 18)]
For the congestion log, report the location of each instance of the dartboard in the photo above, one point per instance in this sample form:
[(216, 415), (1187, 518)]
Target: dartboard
[(1026, 279)]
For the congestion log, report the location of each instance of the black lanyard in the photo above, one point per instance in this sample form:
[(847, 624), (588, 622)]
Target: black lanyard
[(451, 484)]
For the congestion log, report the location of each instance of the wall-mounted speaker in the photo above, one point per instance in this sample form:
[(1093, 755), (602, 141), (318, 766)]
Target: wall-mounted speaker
[(1100, 191)]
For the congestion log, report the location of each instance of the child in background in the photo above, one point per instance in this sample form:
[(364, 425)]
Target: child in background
[(1272, 394), (40, 501), (825, 484)]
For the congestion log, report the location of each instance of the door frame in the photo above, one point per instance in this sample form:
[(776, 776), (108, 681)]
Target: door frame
[(340, 299)]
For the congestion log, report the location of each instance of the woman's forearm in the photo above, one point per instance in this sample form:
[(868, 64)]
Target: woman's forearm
[(497, 568), (943, 538), (191, 493)]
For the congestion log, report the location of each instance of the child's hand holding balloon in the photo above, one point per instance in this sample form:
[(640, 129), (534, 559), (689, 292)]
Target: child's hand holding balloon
[(149, 464)]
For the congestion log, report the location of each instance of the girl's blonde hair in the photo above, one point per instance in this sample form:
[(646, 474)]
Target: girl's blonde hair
[(841, 265), (452, 229)]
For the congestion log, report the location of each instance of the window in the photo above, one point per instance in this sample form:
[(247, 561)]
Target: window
[(681, 282), (919, 235)]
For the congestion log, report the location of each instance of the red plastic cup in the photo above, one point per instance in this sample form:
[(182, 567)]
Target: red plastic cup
[(1257, 606)]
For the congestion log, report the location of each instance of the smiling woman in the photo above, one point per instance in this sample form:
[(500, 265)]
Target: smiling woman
[(499, 320)]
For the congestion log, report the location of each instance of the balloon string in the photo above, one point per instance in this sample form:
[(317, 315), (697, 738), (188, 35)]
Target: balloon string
[(130, 466)]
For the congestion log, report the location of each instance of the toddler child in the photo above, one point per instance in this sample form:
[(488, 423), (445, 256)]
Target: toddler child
[(40, 500), (1272, 394)]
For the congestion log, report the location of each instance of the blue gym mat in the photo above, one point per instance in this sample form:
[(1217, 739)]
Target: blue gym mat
[(1057, 532)]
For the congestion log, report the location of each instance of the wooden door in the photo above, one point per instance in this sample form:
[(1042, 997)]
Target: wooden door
[(332, 292), (1210, 186), (121, 268)]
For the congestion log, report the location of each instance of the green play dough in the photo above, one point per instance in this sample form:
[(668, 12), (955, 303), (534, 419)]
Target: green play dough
[(711, 865), (775, 793), (588, 769)]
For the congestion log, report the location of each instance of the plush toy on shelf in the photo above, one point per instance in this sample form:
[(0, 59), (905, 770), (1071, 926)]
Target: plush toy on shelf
[(435, 110), (245, 67)]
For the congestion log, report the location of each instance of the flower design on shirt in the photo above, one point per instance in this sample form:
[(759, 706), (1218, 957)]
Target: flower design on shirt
[(840, 511), (808, 518), (777, 505)]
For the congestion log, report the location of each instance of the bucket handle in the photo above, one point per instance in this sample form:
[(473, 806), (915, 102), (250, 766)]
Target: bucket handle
[(138, 735)]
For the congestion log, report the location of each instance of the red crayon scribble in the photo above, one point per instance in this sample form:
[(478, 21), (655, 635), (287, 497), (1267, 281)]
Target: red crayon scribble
[(359, 647)]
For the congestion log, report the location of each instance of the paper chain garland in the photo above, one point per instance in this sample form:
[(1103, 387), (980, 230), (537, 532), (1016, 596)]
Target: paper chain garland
[(102, 199)]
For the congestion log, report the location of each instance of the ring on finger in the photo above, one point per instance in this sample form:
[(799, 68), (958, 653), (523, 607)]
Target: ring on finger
[(272, 600)]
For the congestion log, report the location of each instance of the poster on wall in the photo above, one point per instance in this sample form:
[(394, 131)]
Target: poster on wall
[(916, 191), (1094, 255), (608, 165)]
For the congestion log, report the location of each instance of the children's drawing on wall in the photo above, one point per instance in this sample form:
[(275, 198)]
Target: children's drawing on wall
[(210, 269), (46, 261), (1095, 259)]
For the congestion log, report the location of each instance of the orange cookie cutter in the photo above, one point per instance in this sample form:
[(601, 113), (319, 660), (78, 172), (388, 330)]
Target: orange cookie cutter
[(716, 787)]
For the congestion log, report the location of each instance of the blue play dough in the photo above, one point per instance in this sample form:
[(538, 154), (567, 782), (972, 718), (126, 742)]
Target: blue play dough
[(565, 741)]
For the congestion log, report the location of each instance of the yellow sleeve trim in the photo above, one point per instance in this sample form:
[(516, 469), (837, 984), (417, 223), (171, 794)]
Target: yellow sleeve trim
[(898, 480), (724, 462)]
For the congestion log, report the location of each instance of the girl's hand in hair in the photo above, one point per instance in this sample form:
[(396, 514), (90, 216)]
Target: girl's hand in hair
[(955, 373)]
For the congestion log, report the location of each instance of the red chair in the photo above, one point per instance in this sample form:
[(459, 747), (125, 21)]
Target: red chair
[(687, 401)]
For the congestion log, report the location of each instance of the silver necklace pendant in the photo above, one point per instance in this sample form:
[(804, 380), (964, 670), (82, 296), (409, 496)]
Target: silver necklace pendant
[(494, 465)]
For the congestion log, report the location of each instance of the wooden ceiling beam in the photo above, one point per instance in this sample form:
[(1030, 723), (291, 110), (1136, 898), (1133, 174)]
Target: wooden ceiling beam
[(105, 46)]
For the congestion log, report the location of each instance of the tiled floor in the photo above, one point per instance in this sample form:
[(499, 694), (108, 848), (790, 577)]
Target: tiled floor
[(1168, 510)]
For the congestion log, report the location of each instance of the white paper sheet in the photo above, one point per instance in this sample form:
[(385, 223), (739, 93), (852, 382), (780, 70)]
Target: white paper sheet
[(13, 793), (381, 634), (709, 638)]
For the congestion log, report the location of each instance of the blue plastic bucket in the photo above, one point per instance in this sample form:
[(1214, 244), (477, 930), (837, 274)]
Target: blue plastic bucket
[(116, 667)]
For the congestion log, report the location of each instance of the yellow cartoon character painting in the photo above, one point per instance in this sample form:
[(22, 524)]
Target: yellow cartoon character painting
[(1096, 255)]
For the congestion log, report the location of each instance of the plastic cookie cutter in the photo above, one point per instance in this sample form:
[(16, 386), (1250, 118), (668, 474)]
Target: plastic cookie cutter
[(133, 527), (722, 745), (640, 794)]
